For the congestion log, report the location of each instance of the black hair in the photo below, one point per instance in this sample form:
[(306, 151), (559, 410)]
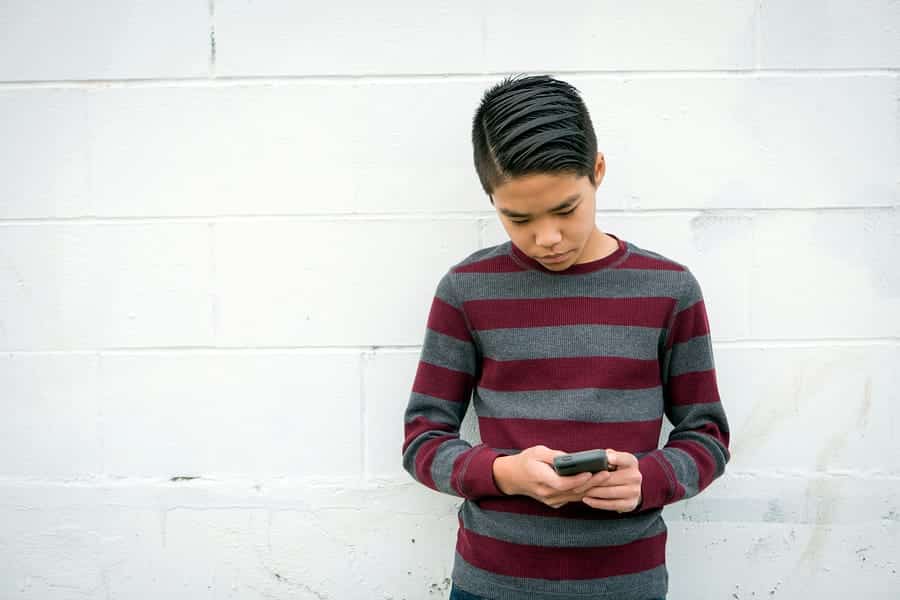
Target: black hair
[(532, 124)]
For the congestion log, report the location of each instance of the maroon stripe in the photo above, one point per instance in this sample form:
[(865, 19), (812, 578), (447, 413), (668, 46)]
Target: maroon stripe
[(586, 267), (659, 485), (639, 261), (446, 319), (569, 372), (569, 436), (557, 563), (678, 490), (706, 464), (548, 312), (420, 425), (425, 456), (473, 472), (443, 383), (496, 264), (689, 323), (696, 387), (711, 429)]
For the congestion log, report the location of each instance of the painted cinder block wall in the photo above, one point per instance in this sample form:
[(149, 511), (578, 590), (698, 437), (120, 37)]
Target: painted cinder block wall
[(222, 223)]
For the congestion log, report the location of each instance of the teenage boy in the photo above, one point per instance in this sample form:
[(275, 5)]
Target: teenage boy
[(567, 338)]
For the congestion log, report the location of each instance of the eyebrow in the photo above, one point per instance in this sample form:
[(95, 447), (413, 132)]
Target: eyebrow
[(567, 202)]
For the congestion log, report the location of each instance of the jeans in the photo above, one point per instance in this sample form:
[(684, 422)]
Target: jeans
[(458, 594)]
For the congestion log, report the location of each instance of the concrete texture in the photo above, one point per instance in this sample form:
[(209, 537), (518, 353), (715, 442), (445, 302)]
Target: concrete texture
[(222, 223)]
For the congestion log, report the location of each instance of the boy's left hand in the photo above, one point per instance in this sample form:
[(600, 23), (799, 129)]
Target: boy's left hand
[(618, 490)]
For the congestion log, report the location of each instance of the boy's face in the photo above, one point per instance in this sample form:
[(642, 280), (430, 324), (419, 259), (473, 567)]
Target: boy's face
[(532, 210)]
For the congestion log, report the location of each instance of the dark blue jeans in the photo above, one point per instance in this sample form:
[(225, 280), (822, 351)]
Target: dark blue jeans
[(458, 594)]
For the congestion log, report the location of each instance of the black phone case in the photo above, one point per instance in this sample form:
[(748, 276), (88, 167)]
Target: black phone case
[(578, 462)]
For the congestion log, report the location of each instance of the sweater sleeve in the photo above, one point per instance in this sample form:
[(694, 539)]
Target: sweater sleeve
[(433, 453), (697, 449)]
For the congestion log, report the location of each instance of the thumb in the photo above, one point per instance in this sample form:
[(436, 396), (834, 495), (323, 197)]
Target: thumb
[(548, 454), (545, 454), (620, 459)]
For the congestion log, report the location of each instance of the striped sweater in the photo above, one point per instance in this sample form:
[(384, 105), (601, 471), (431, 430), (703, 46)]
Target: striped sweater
[(588, 357)]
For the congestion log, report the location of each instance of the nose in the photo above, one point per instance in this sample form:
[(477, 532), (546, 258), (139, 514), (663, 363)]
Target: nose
[(547, 237)]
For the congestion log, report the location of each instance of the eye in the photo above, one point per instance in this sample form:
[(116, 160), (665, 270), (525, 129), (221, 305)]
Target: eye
[(568, 212)]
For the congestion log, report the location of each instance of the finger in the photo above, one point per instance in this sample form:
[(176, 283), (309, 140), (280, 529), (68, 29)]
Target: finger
[(616, 505), (578, 479), (610, 493), (621, 460), (554, 482), (560, 500), (568, 482), (596, 479), (610, 479), (545, 454)]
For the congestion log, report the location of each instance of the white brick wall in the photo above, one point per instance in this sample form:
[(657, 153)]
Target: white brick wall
[(222, 222)]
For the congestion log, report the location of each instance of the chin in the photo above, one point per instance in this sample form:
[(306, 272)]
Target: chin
[(561, 265)]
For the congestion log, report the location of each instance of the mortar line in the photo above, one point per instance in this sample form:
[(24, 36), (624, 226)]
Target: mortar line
[(760, 343), (462, 77), (428, 216)]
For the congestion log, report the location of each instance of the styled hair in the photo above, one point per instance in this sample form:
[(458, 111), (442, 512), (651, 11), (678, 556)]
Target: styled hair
[(532, 124)]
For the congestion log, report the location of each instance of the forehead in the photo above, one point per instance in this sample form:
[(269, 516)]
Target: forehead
[(538, 191)]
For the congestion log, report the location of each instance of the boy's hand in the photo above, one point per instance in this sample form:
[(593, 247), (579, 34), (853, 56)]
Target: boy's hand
[(530, 472), (618, 490)]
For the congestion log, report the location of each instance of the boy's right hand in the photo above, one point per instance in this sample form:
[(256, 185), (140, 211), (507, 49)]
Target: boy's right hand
[(530, 472)]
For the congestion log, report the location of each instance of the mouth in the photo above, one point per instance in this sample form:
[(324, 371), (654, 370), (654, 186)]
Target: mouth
[(554, 257)]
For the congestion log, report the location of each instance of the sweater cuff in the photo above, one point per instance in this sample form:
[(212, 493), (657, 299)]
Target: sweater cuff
[(656, 485), (477, 478)]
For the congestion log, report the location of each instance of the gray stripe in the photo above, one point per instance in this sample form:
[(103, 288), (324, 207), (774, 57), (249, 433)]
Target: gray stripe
[(409, 456), (446, 290), (638, 586), (442, 465), (439, 411), (692, 416), (686, 420), (448, 352), (713, 446), (579, 404), (501, 249), (559, 531), (689, 293), (696, 354), (685, 469), (505, 249), (628, 341), (435, 409), (618, 283)]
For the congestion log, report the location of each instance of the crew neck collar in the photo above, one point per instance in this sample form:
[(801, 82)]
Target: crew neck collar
[(586, 267)]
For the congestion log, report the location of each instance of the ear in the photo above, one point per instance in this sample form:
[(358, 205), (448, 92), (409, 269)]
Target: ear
[(599, 168)]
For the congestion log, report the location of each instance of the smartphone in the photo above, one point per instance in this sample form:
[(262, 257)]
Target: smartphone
[(579, 462)]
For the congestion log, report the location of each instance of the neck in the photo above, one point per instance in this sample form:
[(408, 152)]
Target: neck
[(599, 245)]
